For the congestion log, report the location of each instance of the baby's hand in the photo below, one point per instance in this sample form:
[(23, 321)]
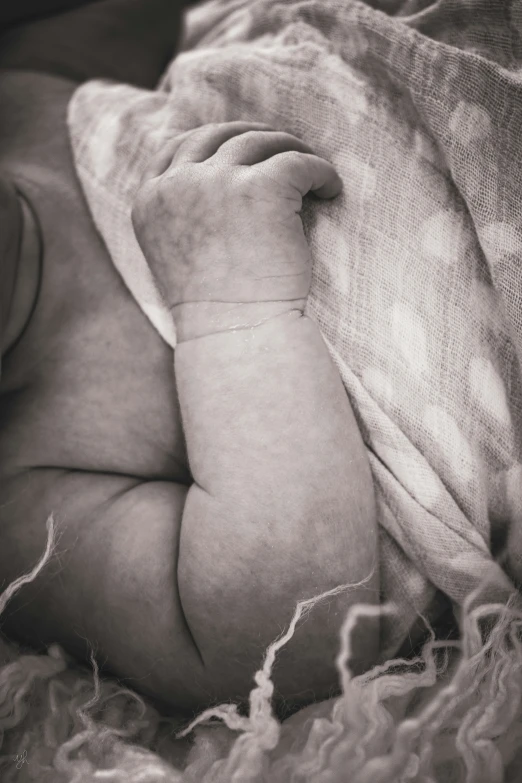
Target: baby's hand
[(217, 217)]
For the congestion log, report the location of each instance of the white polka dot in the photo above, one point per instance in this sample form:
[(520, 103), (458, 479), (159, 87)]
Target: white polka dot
[(378, 384), (470, 123), (485, 297), (413, 474), (356, 94), (362, 178), (410, 337), (442, 236), (425, 147), (488, 388), (358, 106), (450, 440), (500, 238)]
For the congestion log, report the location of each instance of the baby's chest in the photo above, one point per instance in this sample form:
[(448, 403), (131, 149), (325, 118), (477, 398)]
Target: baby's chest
[(91, 385)]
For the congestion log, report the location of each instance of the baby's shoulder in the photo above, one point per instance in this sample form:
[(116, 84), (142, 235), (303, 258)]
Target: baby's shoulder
[(33, 131)]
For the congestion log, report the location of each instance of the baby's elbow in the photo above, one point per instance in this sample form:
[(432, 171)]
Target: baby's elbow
[(310, 654), (254, 601)]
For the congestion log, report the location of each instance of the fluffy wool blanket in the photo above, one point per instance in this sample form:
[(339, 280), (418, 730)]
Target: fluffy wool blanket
[(417, 288)]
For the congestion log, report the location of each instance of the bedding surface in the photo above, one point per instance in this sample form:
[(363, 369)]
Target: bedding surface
[(417, 279)]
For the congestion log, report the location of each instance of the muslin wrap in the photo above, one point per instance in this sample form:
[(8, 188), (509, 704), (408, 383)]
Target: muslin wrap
[(417, 276)]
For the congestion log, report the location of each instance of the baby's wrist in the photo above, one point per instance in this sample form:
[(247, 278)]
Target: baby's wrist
[(194, 320)]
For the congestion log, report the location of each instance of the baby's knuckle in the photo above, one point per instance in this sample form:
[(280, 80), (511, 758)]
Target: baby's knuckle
[(247, 137), (169, 186), (294, 157), (243, 177)]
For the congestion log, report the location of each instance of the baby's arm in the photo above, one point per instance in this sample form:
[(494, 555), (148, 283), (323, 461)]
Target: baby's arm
[(274, 516), (282, 507)]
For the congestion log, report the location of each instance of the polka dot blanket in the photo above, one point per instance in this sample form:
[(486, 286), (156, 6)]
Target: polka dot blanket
[(417, 278)]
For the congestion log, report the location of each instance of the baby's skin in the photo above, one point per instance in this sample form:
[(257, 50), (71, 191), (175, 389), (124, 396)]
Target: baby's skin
[(197, 496), (278, 464)]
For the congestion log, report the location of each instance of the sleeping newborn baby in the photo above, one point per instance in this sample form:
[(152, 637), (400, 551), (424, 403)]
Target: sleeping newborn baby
[(197, 495), (351, 421), (415, 281), (199, 553)]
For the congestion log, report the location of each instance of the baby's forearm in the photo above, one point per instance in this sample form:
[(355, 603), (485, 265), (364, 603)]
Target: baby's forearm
[(282, 507)]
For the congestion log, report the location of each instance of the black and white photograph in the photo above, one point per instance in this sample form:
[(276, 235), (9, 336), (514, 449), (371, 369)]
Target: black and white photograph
[(260, 391)]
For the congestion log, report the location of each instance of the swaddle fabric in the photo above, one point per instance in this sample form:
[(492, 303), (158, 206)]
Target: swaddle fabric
[(417, 279)]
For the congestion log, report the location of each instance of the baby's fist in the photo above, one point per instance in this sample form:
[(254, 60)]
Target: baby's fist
[(217, 215)]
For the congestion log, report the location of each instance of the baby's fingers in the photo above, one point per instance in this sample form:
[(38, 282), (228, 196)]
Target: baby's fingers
[(303, 172), (255, 146), (197, 145)]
